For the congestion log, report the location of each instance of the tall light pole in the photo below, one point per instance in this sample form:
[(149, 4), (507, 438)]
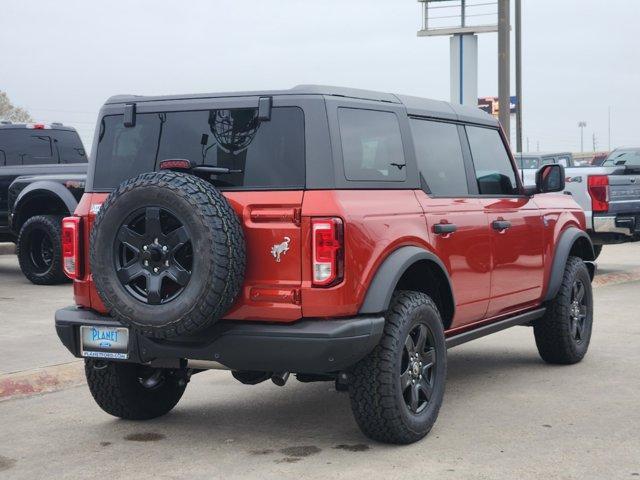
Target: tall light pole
[(518, 75), (581, 126), (609, 128), (504, 66)]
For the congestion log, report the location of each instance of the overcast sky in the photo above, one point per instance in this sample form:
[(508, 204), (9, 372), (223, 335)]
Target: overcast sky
[(61, 59)]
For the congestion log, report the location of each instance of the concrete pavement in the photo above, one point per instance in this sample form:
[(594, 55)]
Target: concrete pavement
[(506, 414)]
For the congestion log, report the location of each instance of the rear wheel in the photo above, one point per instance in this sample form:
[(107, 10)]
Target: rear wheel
[(563, 334), (134, 392), (396, 391), (39, 251)]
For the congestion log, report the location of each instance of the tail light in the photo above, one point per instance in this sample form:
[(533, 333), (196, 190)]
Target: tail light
[(598, 187), (71, 246), (328, 251)]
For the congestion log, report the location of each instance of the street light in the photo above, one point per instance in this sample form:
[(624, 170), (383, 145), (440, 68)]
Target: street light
[(581, 126)]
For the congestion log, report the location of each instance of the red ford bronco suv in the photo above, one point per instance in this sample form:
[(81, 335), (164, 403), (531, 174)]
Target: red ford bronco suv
[(332, 233)]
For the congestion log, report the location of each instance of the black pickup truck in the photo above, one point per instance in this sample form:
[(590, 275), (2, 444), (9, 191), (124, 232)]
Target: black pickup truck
[(42, 173)]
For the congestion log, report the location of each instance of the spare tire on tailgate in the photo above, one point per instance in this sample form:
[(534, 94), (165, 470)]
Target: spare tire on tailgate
[(167, 254)]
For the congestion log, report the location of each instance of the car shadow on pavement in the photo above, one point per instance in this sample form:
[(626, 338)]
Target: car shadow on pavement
[(220, 412)]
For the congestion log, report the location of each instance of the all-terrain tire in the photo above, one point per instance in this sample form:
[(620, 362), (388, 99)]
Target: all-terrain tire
[(561, 337), (217, 245), (119, 389), (40, 233), (375, 389)]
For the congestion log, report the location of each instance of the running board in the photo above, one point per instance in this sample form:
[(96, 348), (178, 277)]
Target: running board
[(522, 319)]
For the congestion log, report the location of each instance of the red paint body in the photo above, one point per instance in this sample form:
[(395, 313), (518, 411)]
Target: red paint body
[(493, 273)]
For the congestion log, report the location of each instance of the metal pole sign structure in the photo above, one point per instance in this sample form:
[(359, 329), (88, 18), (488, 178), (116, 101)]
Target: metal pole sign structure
[(462, 20)]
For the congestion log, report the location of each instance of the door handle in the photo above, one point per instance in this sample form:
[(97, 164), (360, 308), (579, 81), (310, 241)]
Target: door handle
[(444, 228), (501, 225)]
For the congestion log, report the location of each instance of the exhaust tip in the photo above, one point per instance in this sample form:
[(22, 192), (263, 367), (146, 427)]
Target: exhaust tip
[(280, 379)]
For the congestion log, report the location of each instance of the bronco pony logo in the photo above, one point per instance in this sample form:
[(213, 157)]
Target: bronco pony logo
[(280, 249)]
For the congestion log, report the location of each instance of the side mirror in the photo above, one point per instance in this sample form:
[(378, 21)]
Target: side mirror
[(550, 178)]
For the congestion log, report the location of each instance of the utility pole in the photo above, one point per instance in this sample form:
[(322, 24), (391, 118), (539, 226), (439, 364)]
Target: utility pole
[(581, 126), (519, 75), (527, 144), (538, 145), (595, 142), (504, 66)]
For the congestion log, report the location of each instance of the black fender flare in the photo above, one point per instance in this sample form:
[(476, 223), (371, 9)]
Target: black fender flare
[(381, 288), (567, 240), (43, 188)]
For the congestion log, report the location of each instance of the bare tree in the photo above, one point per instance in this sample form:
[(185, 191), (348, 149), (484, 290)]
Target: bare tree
[(10, 112)]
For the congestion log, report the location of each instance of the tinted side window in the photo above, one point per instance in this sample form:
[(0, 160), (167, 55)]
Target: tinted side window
[(439, 155), (371, 145), (494, 172), (69, 147)]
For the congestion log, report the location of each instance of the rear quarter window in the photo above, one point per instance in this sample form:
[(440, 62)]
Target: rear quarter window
[(259, 154), (371, 145)]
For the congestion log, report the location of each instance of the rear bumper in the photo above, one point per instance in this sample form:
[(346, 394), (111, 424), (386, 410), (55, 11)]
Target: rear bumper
[(306, 346), (617, 225)]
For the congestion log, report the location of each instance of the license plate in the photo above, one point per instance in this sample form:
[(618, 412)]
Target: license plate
[(104, 342)]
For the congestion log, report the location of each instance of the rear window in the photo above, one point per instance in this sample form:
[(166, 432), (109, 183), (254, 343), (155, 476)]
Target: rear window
[(629, 157), (371, 145), (260, 155), (22, 146), (69, 147)]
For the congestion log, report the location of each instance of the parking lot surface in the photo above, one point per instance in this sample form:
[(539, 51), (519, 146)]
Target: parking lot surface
[(506, 414)]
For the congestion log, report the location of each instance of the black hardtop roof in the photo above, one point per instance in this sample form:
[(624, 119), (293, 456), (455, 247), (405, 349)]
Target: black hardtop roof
[(415, 105)]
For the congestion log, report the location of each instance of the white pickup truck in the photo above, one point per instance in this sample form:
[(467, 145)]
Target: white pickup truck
[(609, 194)]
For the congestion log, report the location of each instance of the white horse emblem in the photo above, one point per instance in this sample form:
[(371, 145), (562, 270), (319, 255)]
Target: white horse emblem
[(280, 249)]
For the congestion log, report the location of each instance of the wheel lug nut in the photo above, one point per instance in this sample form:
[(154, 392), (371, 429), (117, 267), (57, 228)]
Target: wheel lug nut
[(146, 263), (156, 269), (164, 249), (145, 248), (166, 263)]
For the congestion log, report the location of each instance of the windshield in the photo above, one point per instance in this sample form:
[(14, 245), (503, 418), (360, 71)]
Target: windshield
[(629, 157)]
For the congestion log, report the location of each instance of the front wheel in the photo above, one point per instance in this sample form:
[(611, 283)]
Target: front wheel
[(396, 391), (133, 392), (563, 334)]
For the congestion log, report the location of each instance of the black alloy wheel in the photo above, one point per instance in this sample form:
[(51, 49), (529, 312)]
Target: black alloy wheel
[(418, 368), (41, 251), (578, 310), (153, 255)]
